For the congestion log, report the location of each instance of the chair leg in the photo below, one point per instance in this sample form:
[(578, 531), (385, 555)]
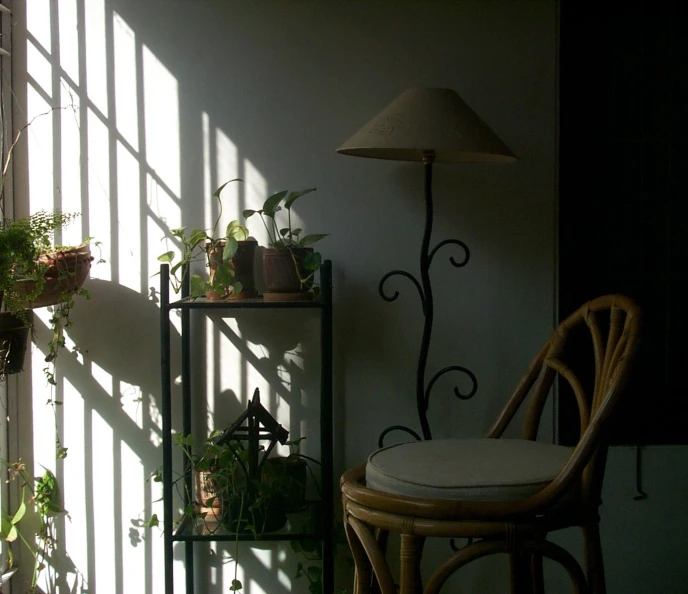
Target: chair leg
[(410, 581), (594, 562), (520, 573), (536, 574)]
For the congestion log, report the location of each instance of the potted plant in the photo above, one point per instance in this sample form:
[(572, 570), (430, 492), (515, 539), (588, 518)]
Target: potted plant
[(289, 475), (229, 259), (289, 263), (35, 273)]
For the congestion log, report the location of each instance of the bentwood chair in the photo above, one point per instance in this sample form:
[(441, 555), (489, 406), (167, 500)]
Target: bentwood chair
[(504, 495)]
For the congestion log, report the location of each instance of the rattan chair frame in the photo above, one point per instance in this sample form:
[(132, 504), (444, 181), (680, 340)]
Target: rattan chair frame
[(518, 528)]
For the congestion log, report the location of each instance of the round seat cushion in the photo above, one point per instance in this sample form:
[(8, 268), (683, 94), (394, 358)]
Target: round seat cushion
[(466, 469)]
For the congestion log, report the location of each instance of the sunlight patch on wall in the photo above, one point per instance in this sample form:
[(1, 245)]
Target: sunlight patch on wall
[(96, 54), (40, 71), (73, 483), (69, 192), (103, 471), (69, 42), (38, 21), (227, 168), (43, 419), (103, 378), (161, 113), (40, 153), (133, 557), (255, 193), (169, 216), (131, 402), (126, 107), (130, 220), (99, 190)]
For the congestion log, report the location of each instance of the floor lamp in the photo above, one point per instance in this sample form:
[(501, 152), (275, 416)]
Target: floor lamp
[(432, 126)]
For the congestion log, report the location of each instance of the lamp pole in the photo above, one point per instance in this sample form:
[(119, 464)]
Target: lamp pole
[(424, 287)]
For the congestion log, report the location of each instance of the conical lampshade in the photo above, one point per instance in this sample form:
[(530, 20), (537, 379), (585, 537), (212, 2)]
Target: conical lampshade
[(422, 120)]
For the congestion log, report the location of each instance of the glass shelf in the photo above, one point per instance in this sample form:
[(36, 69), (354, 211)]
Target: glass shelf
[(300, 525), (255, 303)]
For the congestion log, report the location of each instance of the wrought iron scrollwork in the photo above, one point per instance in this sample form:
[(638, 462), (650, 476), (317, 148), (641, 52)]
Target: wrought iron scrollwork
[(424, 288), (381, 439), (408, 275), (461, 244), (461, 396)]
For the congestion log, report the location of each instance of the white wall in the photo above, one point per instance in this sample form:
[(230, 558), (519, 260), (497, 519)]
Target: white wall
[(176, 97)]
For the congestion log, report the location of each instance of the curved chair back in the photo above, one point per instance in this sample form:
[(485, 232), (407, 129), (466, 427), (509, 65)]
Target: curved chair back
[(596, 377)]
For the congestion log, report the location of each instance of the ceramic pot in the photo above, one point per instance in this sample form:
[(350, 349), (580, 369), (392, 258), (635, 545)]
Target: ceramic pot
[(282, 273), (242, 261)]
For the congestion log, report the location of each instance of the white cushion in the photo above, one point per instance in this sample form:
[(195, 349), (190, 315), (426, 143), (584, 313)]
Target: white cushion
[(466, 469)]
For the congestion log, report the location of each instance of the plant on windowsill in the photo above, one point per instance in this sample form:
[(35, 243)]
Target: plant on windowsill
[(229, 259), (289, 263)]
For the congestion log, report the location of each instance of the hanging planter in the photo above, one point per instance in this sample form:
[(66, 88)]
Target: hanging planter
[(14, 337), (65, 271)]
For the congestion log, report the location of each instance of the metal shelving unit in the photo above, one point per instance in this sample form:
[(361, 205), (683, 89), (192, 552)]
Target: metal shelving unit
[(320, 515)]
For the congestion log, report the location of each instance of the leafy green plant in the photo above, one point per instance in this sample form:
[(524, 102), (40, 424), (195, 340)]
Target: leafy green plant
[(39, 494), (22, 242), (287, 237), (202, 244)]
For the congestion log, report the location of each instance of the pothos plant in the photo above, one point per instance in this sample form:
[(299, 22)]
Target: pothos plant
[(283, 236), (39, 494), (200, 244)]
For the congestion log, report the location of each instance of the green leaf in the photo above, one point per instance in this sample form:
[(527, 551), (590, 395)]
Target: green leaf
[(231, 246), (312, 261), (284, 231), (310, 239), (217, 192), (236, 586), (197, 236), (166, 257), (19, 514), (178, 232), (294, 195), (296, 232), (153, 522), (224, 275), (237, 288), (237, 231), (271, 205), (198, 286), (248, 212)]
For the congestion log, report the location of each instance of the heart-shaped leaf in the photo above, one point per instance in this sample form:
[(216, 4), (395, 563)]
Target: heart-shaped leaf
[(217, 192), (294, 195), (310, 239), (166, 257), (231, 246), (271, 205)]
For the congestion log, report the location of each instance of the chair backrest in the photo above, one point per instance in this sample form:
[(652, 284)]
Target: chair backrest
[(607, 329)]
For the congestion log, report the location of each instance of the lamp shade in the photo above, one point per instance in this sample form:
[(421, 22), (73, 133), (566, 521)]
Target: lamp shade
[(428, 120)]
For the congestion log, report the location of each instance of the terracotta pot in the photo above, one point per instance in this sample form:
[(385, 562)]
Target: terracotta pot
[(282, 271), (205, 493), (14, 337), (67, 270), (243, 266)]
